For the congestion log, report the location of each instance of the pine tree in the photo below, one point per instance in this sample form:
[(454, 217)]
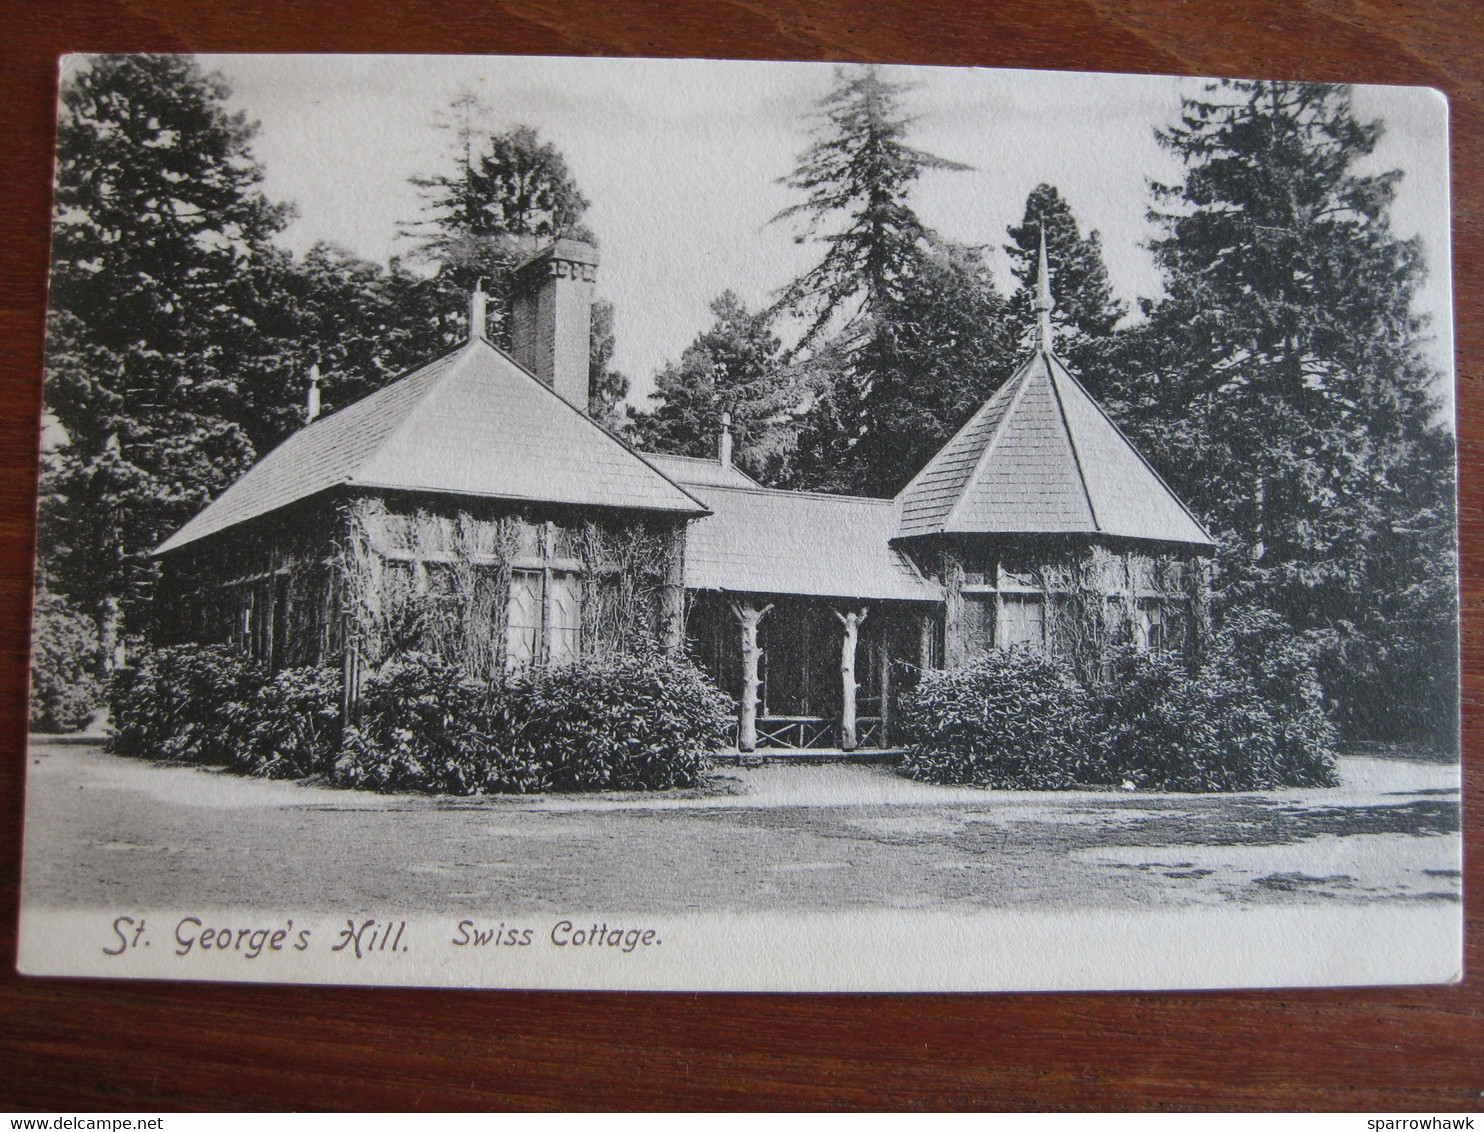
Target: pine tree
[(936, 352), (1086, 312), (158, 229), (509, 192), (884, 343), (734, 367), (1283, 387)]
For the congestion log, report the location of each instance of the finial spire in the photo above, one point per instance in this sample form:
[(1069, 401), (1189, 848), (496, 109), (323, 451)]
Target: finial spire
[(478, 312), (312, 409), (1043, 297)]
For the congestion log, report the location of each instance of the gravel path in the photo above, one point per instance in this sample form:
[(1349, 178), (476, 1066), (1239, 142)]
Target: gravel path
[(107, 831)]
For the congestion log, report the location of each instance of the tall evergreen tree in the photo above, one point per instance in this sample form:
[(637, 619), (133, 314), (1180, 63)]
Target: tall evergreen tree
[(1284, 387), (930, 358), (508, 192), (901, 329), (1086, 312), (159, 227), (734, 367)]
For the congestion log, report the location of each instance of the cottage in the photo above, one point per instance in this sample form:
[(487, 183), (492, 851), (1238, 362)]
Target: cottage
[(474, 502)]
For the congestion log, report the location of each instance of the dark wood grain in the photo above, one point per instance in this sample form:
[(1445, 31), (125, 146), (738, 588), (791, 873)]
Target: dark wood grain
[(82, 1044)]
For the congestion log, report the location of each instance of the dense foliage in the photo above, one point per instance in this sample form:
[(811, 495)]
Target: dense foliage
[(628, 723), (1282, 388), (1250, 718), (621, 724), (734, 368), (65, 691), (1015, 719), (904, 332), (183, 704)]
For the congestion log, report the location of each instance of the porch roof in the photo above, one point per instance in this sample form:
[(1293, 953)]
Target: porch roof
[(471, 423), (800, 543)]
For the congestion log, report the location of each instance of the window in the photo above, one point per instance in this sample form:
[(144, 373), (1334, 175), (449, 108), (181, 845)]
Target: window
[(549, 600), (979, 623), (1151, 622), (523, 628), (566, 619), (1025, 620)]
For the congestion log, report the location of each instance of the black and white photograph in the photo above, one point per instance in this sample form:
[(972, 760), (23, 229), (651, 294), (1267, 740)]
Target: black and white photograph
[(712, 525)]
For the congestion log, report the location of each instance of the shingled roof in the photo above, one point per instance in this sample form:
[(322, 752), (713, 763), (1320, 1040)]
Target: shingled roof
[(761, 540), (471, 423), (1042, 457)]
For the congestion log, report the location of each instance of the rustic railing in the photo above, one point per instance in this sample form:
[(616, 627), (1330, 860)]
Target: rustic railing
[(811, 732)]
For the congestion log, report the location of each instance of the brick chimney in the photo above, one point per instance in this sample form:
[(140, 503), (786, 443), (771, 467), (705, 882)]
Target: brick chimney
[(551, 316)]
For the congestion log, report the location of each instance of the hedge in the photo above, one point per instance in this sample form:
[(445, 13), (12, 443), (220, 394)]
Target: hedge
[(621, 724), (65, 690), (1252, 718)]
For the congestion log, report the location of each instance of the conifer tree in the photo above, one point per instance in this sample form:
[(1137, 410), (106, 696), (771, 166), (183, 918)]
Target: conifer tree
[(159, 229), (509, 192), (734, 367), (1086, 312), (901, 329), (1283, 389)]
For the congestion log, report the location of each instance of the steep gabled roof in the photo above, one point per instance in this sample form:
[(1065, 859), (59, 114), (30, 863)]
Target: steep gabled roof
[(760, 540), (1041, 457), (473, 423)]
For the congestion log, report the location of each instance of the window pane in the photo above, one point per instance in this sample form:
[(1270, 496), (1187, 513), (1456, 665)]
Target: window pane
[(523, 629), (566, 618), (1024, 620), (979, 623), (1151, 625)]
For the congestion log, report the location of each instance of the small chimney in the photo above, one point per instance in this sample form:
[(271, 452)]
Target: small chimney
[(478, 313), (724, 441), (312, 410), (551, 316)]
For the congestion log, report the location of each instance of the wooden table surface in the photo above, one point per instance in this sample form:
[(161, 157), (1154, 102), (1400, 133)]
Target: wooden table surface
[(117, 1046)]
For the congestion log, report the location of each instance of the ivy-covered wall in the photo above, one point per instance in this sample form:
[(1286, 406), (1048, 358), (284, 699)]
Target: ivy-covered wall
[(386, 575)]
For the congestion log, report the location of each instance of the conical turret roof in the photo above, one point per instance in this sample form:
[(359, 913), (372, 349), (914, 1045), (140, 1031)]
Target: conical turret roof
[(1042, 457)]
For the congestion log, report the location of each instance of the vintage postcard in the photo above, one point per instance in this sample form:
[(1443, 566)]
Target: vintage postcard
[(534, 522)]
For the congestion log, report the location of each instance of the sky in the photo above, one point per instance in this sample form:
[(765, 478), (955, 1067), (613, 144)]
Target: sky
[(681, 160)]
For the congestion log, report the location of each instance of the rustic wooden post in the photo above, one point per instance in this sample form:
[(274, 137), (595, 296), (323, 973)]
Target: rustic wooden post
[(748, 616), (924, 641), (852, 622), (883, 679), (953, 610), (672, 599)]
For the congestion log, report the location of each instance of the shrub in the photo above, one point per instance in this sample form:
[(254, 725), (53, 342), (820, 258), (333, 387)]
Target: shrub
[(1251, 719), (628, 723), (620, 724), (65, 690), (291, 726), (423, 725), (183, 703), (1016, 719)]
